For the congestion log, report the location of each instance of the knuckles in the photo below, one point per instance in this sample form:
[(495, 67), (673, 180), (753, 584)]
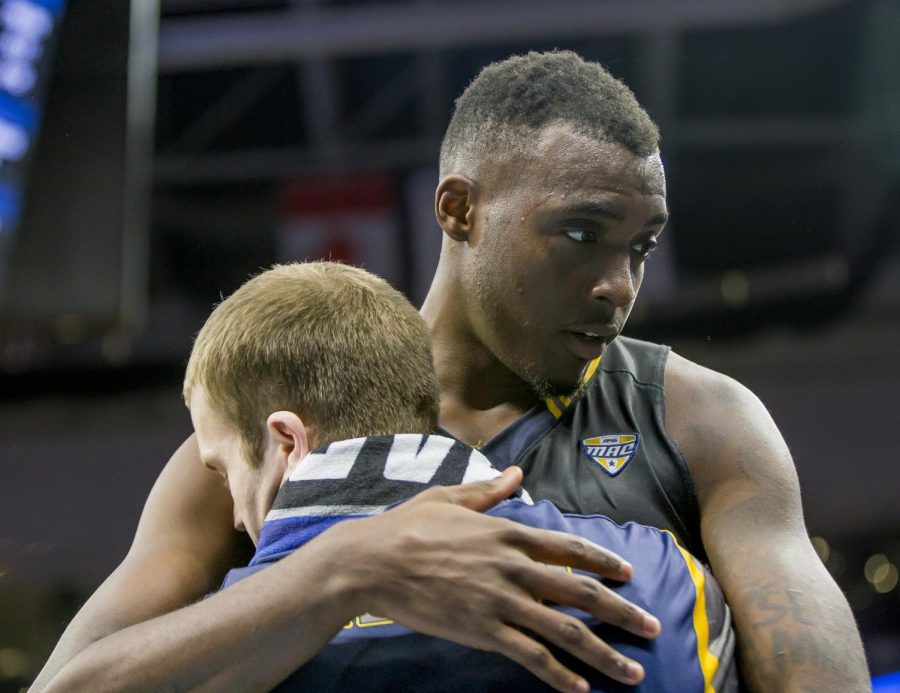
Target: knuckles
[(571, 632), (590, 593), (628, 614), (507, 606), (537, 656), (431, 495), (578, 549)]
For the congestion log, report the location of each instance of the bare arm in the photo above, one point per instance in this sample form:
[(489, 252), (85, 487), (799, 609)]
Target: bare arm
[(794, 626), (245, 638), (475, 586)]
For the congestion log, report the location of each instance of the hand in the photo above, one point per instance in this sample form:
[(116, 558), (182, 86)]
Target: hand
[(437, 567)]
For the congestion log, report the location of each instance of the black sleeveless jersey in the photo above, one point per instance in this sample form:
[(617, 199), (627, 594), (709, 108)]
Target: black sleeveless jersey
[(605, 450)]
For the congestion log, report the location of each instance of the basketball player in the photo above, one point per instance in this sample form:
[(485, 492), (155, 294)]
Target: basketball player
[(551, 198), (360, 345)]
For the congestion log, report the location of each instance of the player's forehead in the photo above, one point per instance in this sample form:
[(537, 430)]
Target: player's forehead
[(567, 172), (573, 161)]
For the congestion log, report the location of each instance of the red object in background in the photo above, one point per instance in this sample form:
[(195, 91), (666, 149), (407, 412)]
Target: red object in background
[(341, 250), (350, 219), (332, 194)]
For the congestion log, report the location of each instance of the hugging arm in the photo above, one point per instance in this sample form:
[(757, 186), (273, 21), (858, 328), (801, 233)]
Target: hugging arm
[(794, 626), (475, 585)]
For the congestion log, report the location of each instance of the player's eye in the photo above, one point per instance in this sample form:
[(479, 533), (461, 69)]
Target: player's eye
[(644, 248), (580, 235), (223, 477)]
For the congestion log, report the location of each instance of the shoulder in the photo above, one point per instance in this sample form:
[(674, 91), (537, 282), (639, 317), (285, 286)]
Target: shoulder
[(722, 428), (690, 385), (704, 402)]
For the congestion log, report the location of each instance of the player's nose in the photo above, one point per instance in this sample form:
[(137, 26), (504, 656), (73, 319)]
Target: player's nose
[(615, 282), (238, 522)]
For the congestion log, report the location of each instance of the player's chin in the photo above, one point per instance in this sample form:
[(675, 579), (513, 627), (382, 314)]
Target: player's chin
[(558, 382)]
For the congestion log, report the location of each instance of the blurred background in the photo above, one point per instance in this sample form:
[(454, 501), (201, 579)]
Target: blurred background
[(154, 154)]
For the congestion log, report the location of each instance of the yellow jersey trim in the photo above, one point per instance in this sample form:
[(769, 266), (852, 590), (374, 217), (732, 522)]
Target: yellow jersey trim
[(590, 370), (557, 405), (554, 408), (709, 663)]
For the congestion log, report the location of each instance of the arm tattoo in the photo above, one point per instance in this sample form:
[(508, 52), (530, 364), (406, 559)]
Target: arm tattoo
[(776, 606), (785, 635)]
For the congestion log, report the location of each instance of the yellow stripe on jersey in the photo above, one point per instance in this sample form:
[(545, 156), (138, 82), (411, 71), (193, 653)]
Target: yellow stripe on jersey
[(553, 407), (709, 663), (559, 404), (590, 370)]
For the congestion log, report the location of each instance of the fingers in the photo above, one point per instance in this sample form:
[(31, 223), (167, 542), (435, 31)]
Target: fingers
[(539, 661), (589, 595), (559, 548), (573, 636), (478, 496), (485, 495)]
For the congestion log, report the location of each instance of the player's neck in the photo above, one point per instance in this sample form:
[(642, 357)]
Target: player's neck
[(480, 396), (476, 427)]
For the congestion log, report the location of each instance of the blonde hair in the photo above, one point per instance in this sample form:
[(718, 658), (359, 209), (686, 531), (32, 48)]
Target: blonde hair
[(330, 342)]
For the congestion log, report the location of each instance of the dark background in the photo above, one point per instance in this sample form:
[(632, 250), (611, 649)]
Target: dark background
[(188, 145)]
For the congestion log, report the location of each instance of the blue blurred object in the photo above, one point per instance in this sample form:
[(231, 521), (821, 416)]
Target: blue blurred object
[(27, 31), (888, 683)]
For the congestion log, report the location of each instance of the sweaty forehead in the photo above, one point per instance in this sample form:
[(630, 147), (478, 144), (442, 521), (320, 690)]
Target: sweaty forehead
[(573, 161)]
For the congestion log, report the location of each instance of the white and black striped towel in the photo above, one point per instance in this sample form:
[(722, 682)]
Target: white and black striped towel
[(361, 477)]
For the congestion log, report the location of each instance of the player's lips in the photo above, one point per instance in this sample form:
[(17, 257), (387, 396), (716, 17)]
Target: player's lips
[(588, 341)]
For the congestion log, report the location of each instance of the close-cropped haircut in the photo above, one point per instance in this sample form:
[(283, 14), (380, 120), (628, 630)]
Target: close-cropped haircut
[(509, 101), (329, 342)]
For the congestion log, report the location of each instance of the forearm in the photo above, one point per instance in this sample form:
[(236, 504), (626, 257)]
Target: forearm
[(113, 606), (248, 637), (795, 631), (799, 635), (480, 584)]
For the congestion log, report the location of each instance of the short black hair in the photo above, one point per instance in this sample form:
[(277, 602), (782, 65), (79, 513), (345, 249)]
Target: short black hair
[(515, 97)]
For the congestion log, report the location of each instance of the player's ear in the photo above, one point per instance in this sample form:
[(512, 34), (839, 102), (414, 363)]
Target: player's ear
[(454, 205), (292, 437)]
